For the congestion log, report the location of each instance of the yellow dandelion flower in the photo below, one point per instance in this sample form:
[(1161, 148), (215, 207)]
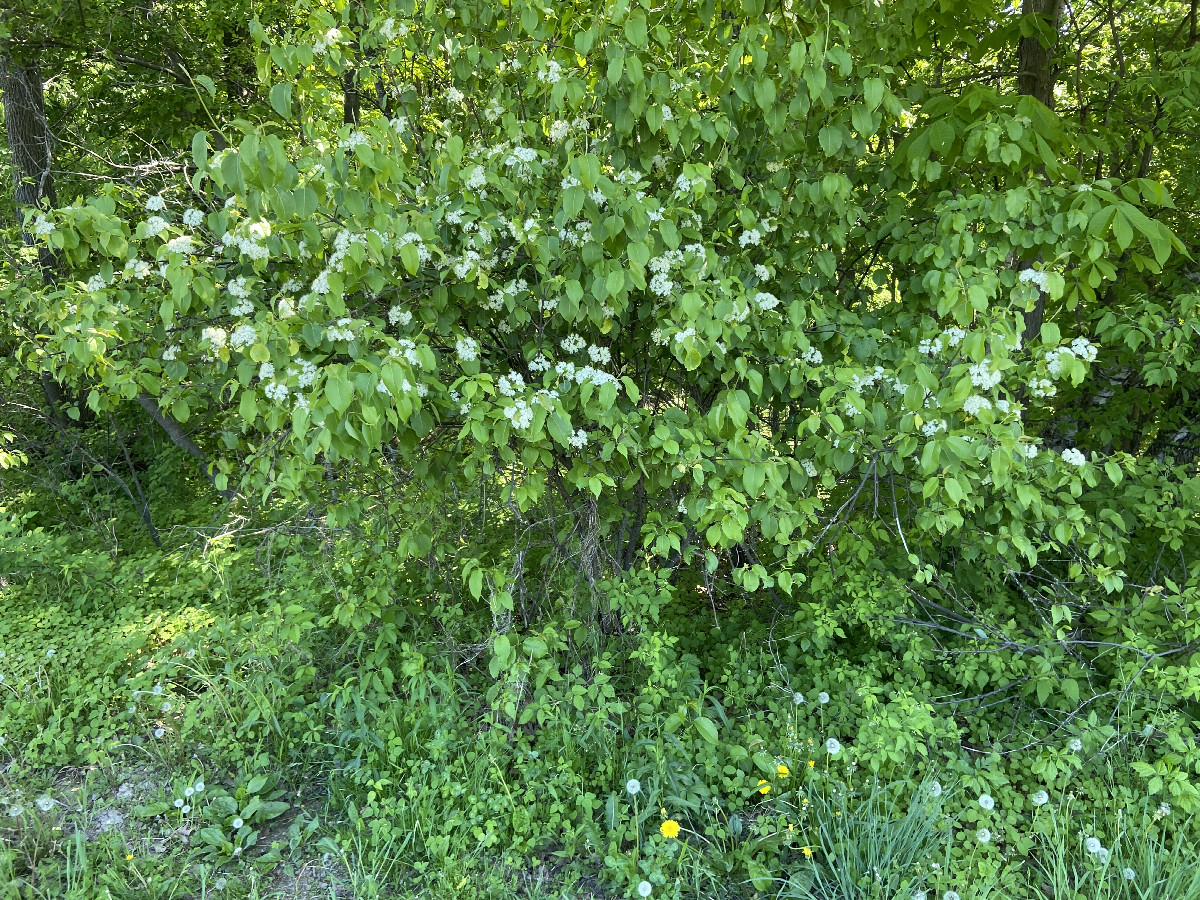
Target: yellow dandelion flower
[(763, 787), (807, 851), (783, 771), (811, 763), (669, 828), (791, 827), (129, 856)]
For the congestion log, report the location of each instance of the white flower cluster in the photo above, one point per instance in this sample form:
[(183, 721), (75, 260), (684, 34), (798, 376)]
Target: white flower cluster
[(751, 237), (216, 337), (761, 272), (497, 300), (352, 140), (684, 185), (975, 404), (809, 467), (519, 159), (572, 343), (390, 29), (1042, 387), (398, 315), (477, 179), (43, 227), (342, 330), (601, 355), (578, 440), (983, 377), (551, 73), (275, 391), (861, 382), (661, 266), (155, 203), (467, 349), (1083, 348), (812, 356), (325, 41), (137, 268), (181, 244), (766, 301), (241, 292), (306, 374), (406, 348), (933, 426), (95, 283), (1074, 456), (243, 336), (250, 244), (951, 337), (576, 237), (192, 217), (1033, 276), (584, 374), (520, 414), (510, 384), (454, 95), (155, 225), (171, 353)]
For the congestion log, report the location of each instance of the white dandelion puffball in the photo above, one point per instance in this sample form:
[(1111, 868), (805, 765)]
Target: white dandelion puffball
[(1093, 845), (984, 836), (159, 732), (986, 801), (645, 888), (1041, 798), (45, 804), (951, 895), (199, 786), (237, 823), (822, 697), (633, 787), (832, 747), (797, 698), (935, 789), (1128, 874), (178, 803), (1075, 745)]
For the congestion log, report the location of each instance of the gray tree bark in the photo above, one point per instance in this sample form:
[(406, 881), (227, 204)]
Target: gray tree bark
[(30, 143)]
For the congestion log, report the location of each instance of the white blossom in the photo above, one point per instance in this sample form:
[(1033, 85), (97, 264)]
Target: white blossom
[(155, 203), (192, 217), (975, 404), (155, 225), (1074, 457)]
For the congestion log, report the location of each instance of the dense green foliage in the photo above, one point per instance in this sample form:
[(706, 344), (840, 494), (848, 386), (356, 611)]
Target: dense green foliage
[(487, 404)]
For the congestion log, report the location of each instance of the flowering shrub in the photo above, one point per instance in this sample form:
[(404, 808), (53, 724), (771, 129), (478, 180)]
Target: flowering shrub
[(722, 292)]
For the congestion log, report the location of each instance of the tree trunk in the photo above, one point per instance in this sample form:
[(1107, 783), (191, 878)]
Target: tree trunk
[(29, 139), (1036, 78), (1035, 60)]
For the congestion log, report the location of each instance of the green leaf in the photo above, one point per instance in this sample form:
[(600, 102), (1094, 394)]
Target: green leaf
[(339, 391), (830, 138), (200, 150), (281, 98), (706, 729)]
